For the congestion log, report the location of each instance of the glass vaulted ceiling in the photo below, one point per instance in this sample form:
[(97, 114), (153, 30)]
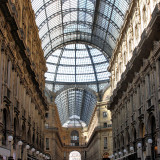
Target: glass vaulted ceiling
[(77, 64), (75, 107), (97, 22), (91, 22)]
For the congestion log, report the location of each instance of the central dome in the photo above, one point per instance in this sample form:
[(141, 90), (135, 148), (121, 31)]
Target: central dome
[(76, 64)]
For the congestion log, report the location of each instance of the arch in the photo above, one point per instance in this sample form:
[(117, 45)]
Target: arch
[(23, 131), (122, 140), (151, 124), (134, 137), (133, 134), (49, 156), (144, 14), (118, 143), (141, 130), (33, 137), (74, 155), (151, 128), (29, 134), (73, 42), (104, 27), (89, 24), (127, 139), (6, 125), (16, 129), (50, 2), (73, 87), (94, 39)]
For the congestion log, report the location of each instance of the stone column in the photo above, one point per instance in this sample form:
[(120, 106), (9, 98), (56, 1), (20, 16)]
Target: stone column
[(11, 150), (148, 151), (19, 152), (25, 151)]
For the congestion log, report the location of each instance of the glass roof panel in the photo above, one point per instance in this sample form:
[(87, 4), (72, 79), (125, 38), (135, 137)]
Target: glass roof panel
[(77, 103), (90, 20), (95, 22), (77, 63)]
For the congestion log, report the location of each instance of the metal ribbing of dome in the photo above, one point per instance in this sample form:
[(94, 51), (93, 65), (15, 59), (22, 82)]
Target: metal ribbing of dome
[(77, 64)]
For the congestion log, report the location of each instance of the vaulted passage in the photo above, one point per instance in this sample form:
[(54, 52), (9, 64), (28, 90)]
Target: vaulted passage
[(96, 22), (79, 79)]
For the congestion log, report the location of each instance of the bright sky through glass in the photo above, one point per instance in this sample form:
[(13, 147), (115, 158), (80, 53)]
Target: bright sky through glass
[(97, 22)]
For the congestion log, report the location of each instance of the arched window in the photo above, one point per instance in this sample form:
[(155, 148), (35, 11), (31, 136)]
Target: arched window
[(74, 138), (23, 131), (4, 127), (33, 138), (154, 138), (125, 58), (136, 31), (144, 14), (16, 131), (29, 135)]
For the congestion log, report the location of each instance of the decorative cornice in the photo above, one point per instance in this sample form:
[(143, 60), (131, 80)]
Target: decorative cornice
[(9, 11), (141, 52)]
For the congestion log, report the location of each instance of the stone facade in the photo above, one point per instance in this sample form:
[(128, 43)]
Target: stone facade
[(135, 84), (22, 67), (23, 104)]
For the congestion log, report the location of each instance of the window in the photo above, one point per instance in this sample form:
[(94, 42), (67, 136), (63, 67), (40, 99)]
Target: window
[(47, 143), (104, 114), (46, 115), (109, 125), (149, 86), (105, 142), (105, 125), (74, 138)]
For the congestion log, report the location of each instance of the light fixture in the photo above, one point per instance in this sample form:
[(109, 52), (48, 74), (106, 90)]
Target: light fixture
[(20, 143), (150, 141), (27, 146), (10, 138), (131, 149), (139, 145), (33, 149)]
